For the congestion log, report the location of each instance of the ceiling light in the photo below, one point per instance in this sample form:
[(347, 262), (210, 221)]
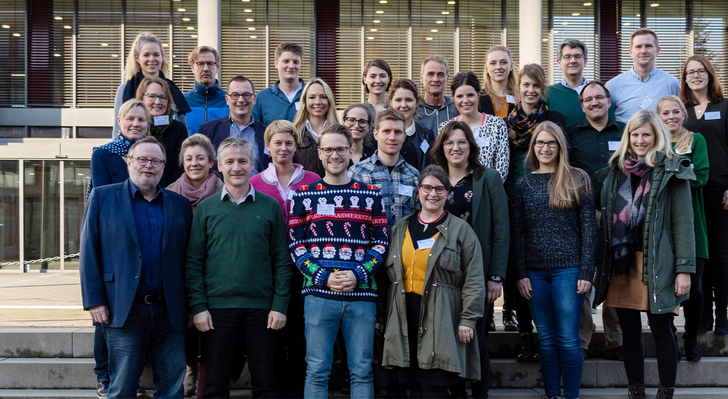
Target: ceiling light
[(165, 45), (193, 36), (428, 38), (372, 30), (249, 19), (56, 55), (575, 14), (251, 28), (439, 22), (382, 1), (450, 2), (544, 39), (655, 5), (247, 10), (190, 28), (627, 23), (370, 38), (104, 44), (58, 18), (637, 15), (16, 34), (114, 55), (65, 27), (445, 12), (587, 4), (379, 12), (433, 30), (564, 23), (6, 26), (175, 66), (186, 19), (253, 37), (376, 21), (181, 10)]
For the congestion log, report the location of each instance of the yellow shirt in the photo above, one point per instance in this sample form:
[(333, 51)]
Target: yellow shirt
[(414, 264)]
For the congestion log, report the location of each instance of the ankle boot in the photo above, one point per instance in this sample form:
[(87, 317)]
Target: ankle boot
[(721, 320), (509, 320), (664, 393), (637, 391), (691, 350), (706, 320), (526, 354)]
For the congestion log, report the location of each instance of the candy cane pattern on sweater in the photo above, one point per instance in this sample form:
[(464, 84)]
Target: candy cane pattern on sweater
[(363, 234), (328, 227), (346, 229), (313, 229)]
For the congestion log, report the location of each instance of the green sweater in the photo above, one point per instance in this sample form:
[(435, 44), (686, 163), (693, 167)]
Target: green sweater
[(237, 256), (698, 155), (566, 100)]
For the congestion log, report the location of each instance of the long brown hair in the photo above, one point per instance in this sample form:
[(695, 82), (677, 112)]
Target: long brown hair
[(567, 183), (715, 89), (142, 89), (511, 86), (437, 151)]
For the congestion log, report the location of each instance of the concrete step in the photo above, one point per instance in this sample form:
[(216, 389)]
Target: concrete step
[(64, 373), (27, 342), (587, 393)]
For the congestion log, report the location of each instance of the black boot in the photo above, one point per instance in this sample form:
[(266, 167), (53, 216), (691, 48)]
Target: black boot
[(509, 320), (706, 320), (637, 391), (691, 350), (526, 354), (664, 393), (721, 320)]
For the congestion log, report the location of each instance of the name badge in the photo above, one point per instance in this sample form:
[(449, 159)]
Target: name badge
[(689, 151), (164, 120), (265, 151), (712, 116), (298, 105), (482, 141), (509, 99), (424, 146), (646, 102), (405, 190), (325, 209), (425, 244), (613, 145)]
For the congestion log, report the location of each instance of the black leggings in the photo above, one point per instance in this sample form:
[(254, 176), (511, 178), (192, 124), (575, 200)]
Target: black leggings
[(634, 354), (427, 391), (716, 270), (693, 307)]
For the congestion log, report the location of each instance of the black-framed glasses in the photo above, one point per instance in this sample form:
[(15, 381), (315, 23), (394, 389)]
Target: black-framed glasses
[(153, 97), (598, 98), (143, 161), (568, 57), (428, 189), (236, 96), (329, 151), (550, 144), (353, 121), (698, 72), (203, 64)]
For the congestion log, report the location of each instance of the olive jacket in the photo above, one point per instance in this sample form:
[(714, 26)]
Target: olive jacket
[(491, 223), (668, 242), (453, 296)]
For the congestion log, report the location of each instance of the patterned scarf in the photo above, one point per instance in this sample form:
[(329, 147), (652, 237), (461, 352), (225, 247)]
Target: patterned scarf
[(120, 147), (520, 125), (629, 213)]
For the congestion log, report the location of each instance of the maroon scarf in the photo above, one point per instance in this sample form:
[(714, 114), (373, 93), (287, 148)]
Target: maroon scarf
[(184, 187)]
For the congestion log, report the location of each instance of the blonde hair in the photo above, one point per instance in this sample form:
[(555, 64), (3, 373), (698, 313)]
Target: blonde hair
[(281, 126), (567, 183), (511, 86), (132, 66), (662, 138), (197, 140), (685, 137), (130, 106), (302, 116)]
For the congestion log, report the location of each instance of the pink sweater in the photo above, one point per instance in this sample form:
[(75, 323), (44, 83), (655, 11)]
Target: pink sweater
[(267, 183)]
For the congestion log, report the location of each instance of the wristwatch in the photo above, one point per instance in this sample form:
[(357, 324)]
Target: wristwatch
[(496, 279)]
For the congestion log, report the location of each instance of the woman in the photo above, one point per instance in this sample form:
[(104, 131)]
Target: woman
[(477, 196), (197, 158), (435, 266), (707, 114), (404, 98), (647, 271), (490, 132), (359, 119), (108, 162), (500, 89), (555, 232), (376, 79), (692, 146), (146, 60), (171, 133), (280, 180), (318, 112)]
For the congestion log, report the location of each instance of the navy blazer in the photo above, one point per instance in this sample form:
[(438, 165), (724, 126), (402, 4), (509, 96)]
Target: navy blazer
[(218, 130), (110, 262)]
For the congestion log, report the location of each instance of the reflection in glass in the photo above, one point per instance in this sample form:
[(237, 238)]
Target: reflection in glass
[(76, 175), (9, 214), (41, 205)]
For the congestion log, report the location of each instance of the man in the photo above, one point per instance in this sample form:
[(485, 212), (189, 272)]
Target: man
[(133, 238), (207, 99), (592, 141), (387, 170), (435, 107), (338, 240), (240, 98), (238, 274), (643, 85), (283, 99), (564, 97)]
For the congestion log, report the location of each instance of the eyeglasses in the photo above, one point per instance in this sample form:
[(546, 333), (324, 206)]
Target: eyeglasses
[(428, 189), (153, 97), (353, 121), (590, 99), (452, 143), (541, 143), (698, 72), (236, 96), (143, 161), (202, 65), (568, 57), (329, 151)]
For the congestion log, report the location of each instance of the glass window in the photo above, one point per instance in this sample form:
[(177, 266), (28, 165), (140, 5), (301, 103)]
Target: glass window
[(184, 40), (710, 38), (243, 41), (93, 132), (75, 178), (12, 52), (572, 20), (49, 132), (433, 15), (9, 214), (12, 132), (290, 21), (41, 205)]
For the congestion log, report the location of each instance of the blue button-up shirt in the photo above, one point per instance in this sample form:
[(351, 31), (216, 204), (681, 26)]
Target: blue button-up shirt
[(149, 218), (247, 132), (630, 94)]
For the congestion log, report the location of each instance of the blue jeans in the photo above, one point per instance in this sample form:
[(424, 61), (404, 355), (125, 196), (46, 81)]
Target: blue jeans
[(323, 318), (101, 355), (556, 311), (147, 328)]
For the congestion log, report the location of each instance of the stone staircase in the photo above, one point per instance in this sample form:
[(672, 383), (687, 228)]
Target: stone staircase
[(58, 363)]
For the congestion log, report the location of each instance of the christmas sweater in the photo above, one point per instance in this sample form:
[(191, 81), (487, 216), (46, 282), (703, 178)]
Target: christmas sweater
[(338, 228)]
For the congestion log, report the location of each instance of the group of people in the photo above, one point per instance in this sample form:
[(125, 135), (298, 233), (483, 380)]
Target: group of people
[(225, 226)]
